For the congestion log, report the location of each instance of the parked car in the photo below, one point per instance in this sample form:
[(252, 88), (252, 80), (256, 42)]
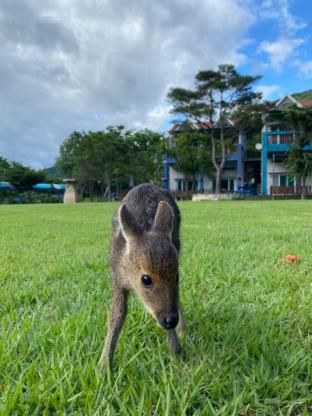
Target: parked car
[(246, 190)]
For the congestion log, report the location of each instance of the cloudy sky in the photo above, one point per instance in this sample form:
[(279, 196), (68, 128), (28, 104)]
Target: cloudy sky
[(83, 65)]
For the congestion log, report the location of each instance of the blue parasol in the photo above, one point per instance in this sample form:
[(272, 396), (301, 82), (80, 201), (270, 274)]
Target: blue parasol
[(43, 187), (6, 186), (49, 187)]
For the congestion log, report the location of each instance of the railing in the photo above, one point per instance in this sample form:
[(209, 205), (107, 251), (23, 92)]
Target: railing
[(290, 190), (281, 137)]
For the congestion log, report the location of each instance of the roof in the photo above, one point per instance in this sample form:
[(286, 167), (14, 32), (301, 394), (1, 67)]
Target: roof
[(301, 100), (187, 125), (227, 123), (190, 125), (306, 103), (287, 101)]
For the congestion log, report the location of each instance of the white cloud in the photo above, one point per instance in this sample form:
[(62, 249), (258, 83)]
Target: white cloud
[(279, 11), (270, 92), (305, 67), (280, 51), (283, 50), (69, 65)]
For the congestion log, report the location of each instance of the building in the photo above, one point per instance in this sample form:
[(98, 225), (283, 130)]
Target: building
[(241, 172), (277, 137)]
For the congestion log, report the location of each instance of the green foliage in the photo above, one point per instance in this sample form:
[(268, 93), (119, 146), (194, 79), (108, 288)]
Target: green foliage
[(144, 159), (217, 96), (192, 153), (304, 95), (248, 118), (4, 167), (107, 158), (225, 89), (247, 349), (299, 160), (299, 163), (23, 177), (301, 120)]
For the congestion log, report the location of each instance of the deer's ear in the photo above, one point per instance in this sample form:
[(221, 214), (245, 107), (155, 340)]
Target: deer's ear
[(163, 221), (129, 227)]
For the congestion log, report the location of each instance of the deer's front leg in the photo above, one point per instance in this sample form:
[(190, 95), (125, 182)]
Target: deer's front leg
[(181, 325), (116, 320), (173, 341)]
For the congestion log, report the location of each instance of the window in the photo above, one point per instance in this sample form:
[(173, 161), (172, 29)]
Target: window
[(231, 185), (227, 185), (283, 180), (275, 180), (180, 185), (291, 181), (224, 184)]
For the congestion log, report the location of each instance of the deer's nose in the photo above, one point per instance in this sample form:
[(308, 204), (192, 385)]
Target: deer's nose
[(170, 321)]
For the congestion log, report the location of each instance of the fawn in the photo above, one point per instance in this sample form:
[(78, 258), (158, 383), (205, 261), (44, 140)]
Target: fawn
[(144, 259)]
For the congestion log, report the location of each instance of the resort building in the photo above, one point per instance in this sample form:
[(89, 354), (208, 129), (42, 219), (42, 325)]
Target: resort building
[(277, 137), (259, 169), (241, 171)]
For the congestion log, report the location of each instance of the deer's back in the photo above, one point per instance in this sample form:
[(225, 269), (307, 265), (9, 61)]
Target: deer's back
[(142, 201)]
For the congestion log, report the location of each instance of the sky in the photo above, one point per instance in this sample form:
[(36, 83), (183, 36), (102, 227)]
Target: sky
[(70, 65)]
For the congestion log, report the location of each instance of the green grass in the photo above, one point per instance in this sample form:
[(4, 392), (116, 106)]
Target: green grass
[(248, 349)]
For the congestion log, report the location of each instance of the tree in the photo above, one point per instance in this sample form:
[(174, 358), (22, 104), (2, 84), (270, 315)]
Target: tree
[(189, 149), (145, 152), (93, 157), (299, 163), (218, 93), (103, 159), (23, 177), (299, 160), (4, 167)]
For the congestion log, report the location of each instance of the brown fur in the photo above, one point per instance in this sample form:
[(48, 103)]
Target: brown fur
[(145, 241)]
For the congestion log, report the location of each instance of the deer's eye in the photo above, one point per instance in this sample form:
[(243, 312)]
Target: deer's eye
[(146, 280)]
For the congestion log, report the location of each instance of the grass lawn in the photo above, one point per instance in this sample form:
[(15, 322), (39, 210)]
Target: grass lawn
[(248, 349)]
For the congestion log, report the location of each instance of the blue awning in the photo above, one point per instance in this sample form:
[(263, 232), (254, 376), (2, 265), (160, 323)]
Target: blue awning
[(49, 187), (43, 186), (6, 186), (59, 186)]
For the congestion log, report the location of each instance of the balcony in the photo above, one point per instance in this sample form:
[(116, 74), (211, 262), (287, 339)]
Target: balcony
[(281, 137), (291, 190), (280, 141)]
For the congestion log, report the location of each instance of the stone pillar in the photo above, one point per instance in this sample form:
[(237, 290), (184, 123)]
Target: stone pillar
[(70, 195)]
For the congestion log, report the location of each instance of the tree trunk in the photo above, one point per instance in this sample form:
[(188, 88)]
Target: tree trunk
[(218, 166), (91, 190), (107, 193), (186, 179), (109, 189), (303, 188), (194, 181), (218, 181), (117, 187)]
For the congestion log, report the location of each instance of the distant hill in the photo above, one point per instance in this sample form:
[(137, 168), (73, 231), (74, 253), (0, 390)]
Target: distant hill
[(304, 95), (53, 173)]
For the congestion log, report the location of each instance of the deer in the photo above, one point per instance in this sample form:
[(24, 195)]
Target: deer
[(144, 260)]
